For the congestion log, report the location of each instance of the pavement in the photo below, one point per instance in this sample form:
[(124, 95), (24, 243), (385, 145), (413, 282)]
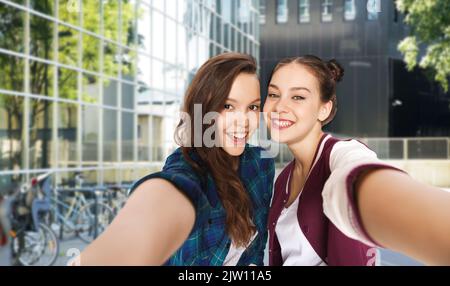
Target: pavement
[(71, 247), (388, 257)]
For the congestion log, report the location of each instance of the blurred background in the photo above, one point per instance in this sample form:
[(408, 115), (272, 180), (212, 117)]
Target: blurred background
[(90, 93)]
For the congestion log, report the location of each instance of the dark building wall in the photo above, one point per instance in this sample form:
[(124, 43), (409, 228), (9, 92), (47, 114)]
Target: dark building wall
[(363, 47), (420, 107)]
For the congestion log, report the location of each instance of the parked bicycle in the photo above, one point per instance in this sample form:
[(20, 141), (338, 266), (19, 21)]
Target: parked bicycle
[(33, 240), (80, 212), (4, 228), (116, 196)]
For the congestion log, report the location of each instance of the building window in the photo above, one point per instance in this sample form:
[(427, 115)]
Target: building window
[(262, 12), (244, 11), (349, 10), (327, 10), (282, 11), (303, 11), (373, 9)]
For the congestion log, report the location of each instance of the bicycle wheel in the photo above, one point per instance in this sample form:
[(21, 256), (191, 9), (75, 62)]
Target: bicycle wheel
[(63, 228), (86, 220), (36, 248)]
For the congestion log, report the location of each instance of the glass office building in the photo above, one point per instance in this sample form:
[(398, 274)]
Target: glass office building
[(95, 86)]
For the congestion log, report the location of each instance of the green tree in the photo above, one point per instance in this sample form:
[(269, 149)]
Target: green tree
[(429, 21), (12, 78)]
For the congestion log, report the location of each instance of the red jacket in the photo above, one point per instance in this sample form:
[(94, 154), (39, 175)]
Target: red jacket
[(333, 247)]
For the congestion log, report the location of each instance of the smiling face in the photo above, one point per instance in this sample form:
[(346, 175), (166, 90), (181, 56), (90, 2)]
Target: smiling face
[(293, 107), (240, 116)]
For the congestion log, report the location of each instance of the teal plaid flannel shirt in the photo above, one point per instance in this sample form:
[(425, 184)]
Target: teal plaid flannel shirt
[(208, 242)]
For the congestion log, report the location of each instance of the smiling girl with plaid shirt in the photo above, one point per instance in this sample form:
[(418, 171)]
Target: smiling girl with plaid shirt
[(209, 205)]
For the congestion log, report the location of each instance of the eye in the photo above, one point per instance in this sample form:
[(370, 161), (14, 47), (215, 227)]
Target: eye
[(254, 107), (228, 106), (298, 97), (272, 95)]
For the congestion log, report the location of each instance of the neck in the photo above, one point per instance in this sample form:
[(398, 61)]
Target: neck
[(304, 151)]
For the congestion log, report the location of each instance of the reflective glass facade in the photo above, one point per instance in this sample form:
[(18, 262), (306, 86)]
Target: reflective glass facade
[(95, 86)]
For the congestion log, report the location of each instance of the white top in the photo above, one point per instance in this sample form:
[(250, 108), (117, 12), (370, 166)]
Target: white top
[(235, 253), (295, 247)]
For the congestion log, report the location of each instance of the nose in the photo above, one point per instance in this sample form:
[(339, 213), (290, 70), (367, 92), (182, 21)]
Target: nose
[(240, 120), (280, 106)]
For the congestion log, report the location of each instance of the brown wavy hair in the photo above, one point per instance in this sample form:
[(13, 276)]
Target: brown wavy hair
[(211, 87)]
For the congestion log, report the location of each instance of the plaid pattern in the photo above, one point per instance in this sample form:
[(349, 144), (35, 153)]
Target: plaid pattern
[(208, 242)]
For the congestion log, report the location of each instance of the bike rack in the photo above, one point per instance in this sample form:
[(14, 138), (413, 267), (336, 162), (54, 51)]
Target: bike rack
[(91, 190)]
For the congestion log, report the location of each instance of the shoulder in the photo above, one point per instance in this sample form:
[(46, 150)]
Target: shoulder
[(350, 149), (176, 171), (177, 164), (176, 160), (347, 154), (349, 144)]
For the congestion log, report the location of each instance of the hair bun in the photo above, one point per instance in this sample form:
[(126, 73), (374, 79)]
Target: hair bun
[(336, 70)]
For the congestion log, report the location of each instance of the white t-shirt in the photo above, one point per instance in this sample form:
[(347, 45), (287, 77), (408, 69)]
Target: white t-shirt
[(295, 247), (235, 253)]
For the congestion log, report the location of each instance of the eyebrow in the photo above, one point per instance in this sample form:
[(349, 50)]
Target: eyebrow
[(292, 89), (235, 101)]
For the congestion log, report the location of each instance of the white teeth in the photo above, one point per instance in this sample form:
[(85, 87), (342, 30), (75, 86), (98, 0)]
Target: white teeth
[(282, 123), (238, 135)]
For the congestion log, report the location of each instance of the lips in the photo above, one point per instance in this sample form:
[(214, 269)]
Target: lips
[(238, 138), (281, 124)]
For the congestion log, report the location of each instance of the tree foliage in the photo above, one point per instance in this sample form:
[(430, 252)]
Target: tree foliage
[(429, 21)]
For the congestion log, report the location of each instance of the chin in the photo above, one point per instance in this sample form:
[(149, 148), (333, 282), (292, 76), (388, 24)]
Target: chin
[(280, 138), (234, 151)]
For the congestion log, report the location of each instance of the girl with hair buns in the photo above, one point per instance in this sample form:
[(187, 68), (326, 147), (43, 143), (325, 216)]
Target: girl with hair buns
[(336, 201)]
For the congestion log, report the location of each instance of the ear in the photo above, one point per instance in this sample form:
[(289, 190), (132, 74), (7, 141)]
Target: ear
[(325, 110)]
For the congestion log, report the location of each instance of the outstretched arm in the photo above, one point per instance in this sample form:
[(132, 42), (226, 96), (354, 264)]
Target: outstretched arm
[(404, 215), (379, 205), (153, 224)]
